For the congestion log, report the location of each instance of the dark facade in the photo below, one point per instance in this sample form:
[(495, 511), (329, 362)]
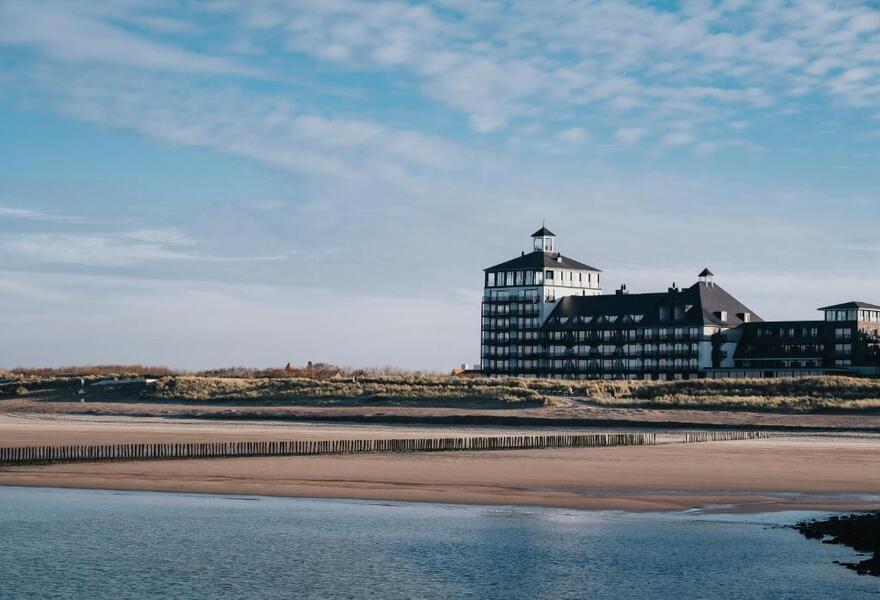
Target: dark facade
[(846, 341)]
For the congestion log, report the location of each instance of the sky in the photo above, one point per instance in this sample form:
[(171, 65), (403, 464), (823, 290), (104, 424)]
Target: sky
[(217, 183)]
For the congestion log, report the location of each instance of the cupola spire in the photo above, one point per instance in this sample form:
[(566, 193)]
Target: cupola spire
[(544, 240)]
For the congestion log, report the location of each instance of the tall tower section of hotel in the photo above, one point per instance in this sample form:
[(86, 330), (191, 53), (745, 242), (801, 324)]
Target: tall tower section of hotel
[(519, 295)]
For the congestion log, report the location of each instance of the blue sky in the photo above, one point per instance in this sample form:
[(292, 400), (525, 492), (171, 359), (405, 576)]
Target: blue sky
[(223, 183)]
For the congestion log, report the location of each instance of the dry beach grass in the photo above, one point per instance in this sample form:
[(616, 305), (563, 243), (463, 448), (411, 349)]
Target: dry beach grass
[(277, 387)]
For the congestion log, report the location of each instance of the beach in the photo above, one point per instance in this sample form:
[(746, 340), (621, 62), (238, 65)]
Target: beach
[(787, 471)]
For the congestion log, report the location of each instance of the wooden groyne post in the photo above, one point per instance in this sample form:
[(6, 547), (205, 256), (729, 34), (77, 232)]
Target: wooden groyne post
[(102, 452), (175, 450), (723, 436)]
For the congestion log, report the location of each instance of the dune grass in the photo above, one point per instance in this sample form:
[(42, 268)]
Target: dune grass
[(806, 394), (327, 385)]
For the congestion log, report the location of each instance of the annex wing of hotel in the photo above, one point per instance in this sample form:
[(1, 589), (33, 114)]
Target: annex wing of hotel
[(544, 315)]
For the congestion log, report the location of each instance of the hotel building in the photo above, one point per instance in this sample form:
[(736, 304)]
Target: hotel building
[(544, 315)]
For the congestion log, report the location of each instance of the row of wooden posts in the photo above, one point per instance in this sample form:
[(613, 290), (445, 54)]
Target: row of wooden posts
[(723, 436), (88, 453)]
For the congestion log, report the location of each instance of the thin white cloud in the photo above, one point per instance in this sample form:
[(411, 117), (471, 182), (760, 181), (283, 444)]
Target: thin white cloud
[(264, 128), (12, 212), (71, 32), (111, 250), (630, 135), (678, 138), (573, 135), (704, 148), (869, 248), (498, 64), (501, 62)]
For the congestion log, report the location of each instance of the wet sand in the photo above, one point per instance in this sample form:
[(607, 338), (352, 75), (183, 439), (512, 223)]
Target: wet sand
[(804, 472), (67, 429)]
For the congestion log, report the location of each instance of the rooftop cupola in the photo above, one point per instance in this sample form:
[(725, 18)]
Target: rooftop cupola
[(706, 276), (544, 240)]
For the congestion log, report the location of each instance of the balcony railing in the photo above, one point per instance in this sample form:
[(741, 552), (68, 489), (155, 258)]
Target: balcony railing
[(511, 300)]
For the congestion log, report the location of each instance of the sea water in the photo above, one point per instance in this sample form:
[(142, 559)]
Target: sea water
[(99, 544)]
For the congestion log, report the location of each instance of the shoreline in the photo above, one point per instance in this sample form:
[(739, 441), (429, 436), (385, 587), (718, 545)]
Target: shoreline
[(738, 505), (819, 506)]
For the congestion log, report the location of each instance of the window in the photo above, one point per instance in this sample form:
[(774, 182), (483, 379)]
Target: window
[(490, 280), (539, 277), (548, 276), (530, 277)]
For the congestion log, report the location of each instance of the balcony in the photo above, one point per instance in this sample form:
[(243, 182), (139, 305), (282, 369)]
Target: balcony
[(511, 300)]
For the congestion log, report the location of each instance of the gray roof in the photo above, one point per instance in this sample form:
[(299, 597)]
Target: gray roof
[(541, 260), (701, 301), (543, 231), (706, 273), (850, 305)]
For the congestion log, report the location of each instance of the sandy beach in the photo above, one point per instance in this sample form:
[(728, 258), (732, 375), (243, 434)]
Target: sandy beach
[(826, 472)]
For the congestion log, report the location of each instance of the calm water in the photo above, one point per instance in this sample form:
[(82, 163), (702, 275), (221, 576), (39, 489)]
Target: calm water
[(91, 544)]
